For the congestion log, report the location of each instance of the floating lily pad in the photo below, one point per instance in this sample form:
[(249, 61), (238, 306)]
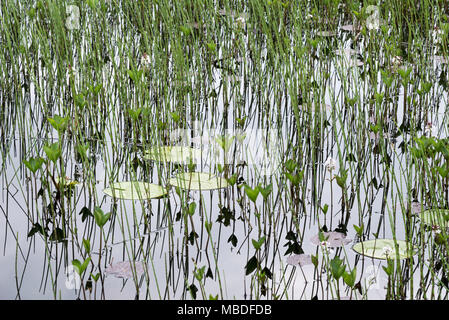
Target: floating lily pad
[(124, 269), (135, 190), (440, 59), (350, 27), (332, 239), (299, 260), (326, 33), (435, 217), (416, 207), (177, 154), (198, 181), (383, 249)]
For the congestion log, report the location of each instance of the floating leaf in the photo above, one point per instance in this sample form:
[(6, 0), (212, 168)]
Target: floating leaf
[(435, 217), (334, 239), (176, 154), (299, 259), (326, 33), (124, 269), (135, 190), (383, 249), (198, 181)]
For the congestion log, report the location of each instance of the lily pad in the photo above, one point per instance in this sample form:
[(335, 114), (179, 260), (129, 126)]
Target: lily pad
[(177, 154), (416, 207), (198, 181), (383, 249), (124, 269), (350, 27), (332, 239), (435, 217), (299, 260), (135, 190), (326, 33)]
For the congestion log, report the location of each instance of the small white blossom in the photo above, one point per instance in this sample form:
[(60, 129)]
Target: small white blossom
[(240, 21), (437, 35), (373, 20), (430, 129), (436, 229), (387, 251), (396, 61), (145, 60), (325, 244), (330, 164)]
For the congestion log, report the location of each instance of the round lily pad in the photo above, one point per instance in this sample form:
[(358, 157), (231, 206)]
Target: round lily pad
[(383, 249), (331, 239), (124, 269), (135, 190), (326, 33), (435, 217), (299, 260), (177, 154), (198, 181)]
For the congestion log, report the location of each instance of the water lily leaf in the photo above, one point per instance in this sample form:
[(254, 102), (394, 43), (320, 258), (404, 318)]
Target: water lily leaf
[(326, 33), (299, 259), (135, 190), (333, 239), (198, 181), (124, 269), (383, 249), (435, 217), (176, 154)]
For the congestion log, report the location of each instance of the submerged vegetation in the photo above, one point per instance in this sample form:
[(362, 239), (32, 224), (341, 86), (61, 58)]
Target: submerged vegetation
[(224, 149)]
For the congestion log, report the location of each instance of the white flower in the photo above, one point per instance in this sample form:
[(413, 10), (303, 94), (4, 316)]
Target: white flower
[(240, 21), (430, 129), (145, 60), (437, 35), (387, 250), (373, 20), (396, 61), (330, 164), (436, 229), (325, 244)]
